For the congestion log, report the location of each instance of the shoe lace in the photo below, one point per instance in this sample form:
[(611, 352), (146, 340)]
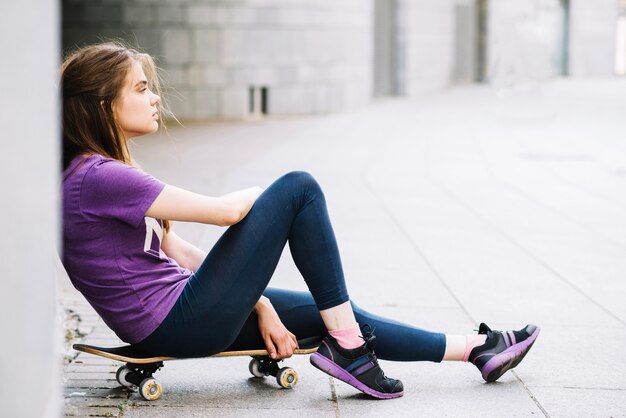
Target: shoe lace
[(368, 336), (484, 329)]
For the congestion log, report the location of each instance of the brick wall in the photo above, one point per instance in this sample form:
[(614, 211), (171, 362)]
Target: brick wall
[(312, 57)]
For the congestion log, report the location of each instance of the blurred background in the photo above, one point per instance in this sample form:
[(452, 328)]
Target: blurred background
[(242, 61), (240, 58)]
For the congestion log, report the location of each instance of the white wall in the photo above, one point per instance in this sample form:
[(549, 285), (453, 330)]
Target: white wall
[(29, 174), (430, 43), (620, 47), (525, 40), (592, 39)]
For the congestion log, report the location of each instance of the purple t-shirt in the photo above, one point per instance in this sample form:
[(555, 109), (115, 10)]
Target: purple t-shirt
[(112, 251)]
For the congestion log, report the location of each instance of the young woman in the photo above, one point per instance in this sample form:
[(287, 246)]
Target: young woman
[(167, 297)]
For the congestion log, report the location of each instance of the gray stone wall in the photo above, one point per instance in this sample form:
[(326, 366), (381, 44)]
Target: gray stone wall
[(311, 56), (437, 44), (30, 353), (237, 59)]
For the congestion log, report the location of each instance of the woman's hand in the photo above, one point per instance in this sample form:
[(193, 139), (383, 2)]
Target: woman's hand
[(280, 343)]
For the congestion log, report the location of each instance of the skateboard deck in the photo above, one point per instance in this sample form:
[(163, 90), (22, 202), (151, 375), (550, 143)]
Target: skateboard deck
[(129, 354), (140, 367)]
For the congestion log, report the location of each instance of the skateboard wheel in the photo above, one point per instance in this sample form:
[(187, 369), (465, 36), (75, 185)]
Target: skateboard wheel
[(150, 389), (120, 376), (254, 368), (287, 377)]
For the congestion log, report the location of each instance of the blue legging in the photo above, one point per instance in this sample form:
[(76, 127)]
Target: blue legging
[(215, 310)]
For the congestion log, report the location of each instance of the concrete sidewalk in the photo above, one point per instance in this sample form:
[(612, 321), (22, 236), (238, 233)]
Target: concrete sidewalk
[(449, 210)]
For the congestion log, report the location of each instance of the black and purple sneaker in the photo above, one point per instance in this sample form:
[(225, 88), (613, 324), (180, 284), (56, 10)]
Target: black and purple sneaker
[(357, 367), (502, 350)]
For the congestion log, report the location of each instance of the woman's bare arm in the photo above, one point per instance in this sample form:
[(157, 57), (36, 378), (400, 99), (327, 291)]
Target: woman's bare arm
[(186, 254), (176, 204)]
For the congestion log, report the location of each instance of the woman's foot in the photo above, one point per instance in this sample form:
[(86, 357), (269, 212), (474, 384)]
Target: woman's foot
[(357, 367), (502, 350)]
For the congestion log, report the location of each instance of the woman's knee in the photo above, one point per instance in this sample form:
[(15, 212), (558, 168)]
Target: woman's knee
[(301, 180)]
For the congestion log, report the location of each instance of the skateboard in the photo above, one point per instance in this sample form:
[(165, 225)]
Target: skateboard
[(139, 368)]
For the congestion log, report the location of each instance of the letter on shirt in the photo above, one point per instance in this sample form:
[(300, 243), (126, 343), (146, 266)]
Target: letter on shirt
[(153, 227)]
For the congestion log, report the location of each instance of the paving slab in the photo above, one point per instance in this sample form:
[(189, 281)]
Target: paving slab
[(582, 402)]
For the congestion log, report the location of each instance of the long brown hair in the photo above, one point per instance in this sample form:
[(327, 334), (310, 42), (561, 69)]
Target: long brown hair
[(92, 78)]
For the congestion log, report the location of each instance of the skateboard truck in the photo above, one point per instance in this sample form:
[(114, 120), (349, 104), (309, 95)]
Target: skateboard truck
[(140, 375), (261, 366)]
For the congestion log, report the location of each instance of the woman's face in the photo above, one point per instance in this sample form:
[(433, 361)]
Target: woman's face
[(135, 109)]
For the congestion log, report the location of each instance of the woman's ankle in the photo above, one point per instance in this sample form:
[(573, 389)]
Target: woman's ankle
[(459, 347), (473, 341), (348, 338)]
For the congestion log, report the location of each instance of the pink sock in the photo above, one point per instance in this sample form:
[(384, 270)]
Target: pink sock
[(348, 338), (473, 341)]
